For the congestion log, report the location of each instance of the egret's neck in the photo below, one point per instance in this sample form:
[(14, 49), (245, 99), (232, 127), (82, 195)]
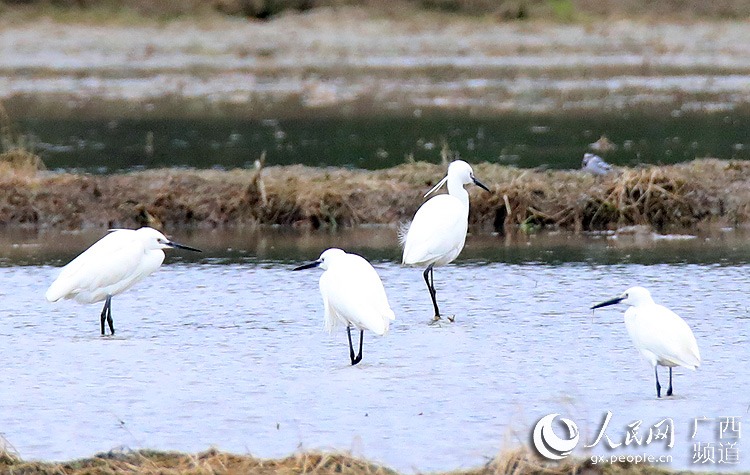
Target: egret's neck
[(456, 188)]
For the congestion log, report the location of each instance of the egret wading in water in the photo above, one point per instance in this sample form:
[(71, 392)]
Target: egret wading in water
[(436, 235), (353, 295), (110, 266), (659, 334)]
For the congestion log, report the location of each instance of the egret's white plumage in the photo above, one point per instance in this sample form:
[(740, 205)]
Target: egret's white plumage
[(110, 266), (437, 234), (353, 295), (659, 334)]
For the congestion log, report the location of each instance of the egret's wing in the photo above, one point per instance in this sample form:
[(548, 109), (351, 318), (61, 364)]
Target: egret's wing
[(371, 285), (439, 227), (664, 333), (109, 261), (353, 292), (327, 286)]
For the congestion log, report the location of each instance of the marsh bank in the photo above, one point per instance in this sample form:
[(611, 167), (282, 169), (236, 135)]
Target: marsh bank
[(682, 196)]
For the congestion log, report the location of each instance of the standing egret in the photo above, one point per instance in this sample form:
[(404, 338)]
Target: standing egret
[(659, 334), (436, 235), (110, 266), (353, 295)]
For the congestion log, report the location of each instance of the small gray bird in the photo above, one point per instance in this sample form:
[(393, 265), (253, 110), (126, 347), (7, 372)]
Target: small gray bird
[(595, 164)]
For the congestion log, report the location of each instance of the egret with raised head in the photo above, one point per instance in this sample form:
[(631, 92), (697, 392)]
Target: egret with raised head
[(436, 235), (659, 334), (353, 295), (111, 266)]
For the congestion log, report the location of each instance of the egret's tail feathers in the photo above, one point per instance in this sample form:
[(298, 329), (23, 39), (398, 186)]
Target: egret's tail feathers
[(380, 328), (330, 327), (403, 231), (55, 292), (332, 322), (386, 326), (691, 361), (694, 358), (689, 366)]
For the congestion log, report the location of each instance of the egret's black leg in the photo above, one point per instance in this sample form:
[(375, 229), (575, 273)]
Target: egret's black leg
[(429, 279), (351, 347), (104, 313), (669, 391), (658, 386), (359, 356), (109, 315)]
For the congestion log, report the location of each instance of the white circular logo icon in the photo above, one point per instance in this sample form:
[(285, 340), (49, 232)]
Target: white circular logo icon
[(548, 444)]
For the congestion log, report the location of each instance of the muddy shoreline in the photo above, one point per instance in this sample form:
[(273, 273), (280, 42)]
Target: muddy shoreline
[(685, 196)]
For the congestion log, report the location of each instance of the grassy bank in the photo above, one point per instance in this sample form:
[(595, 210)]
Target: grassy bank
[(683, 196), (219, 463)]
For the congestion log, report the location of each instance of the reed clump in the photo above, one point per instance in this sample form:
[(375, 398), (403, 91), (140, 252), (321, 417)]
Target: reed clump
[(16, 157), (19, 161), (679, 196), (8, 454)]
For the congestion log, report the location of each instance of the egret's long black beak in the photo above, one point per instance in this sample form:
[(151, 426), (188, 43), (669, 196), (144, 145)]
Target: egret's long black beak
[(479, 184), (181, 246), (308, 266), (608, 302)]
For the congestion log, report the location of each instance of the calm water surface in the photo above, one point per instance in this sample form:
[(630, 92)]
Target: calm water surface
[(105, 145), (229, 350)]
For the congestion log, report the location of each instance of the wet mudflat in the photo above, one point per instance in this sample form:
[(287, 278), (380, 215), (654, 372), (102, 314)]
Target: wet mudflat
[(229, 350)]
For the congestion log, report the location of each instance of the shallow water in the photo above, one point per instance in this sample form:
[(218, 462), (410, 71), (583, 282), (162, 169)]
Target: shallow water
[(105, 145), (228, 349)]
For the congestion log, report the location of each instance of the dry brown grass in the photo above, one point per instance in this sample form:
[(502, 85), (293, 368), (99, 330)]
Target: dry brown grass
[(15, 156), (680, 196), (8, 453), (213, 462), (665, 197)]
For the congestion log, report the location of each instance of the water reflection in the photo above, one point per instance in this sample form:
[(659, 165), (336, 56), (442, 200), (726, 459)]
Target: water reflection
[(272, 246)]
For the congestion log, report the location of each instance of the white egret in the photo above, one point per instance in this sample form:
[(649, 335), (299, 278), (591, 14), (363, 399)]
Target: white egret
[(659, 334), (595, 164), (353, 295), (110, 266), (436, 235)]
